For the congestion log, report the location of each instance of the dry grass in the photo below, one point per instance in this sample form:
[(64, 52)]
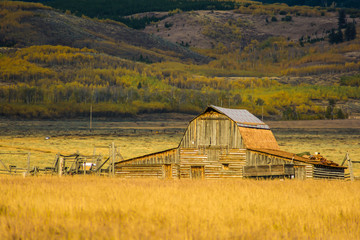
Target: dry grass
[(105, 208), (332, 144), (43, 151), (88, 207), (331, 138)]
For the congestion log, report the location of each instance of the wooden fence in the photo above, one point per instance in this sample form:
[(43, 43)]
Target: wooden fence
[(350, 164), (68, 164)]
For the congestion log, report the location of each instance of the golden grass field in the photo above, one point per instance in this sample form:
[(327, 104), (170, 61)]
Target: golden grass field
[(331, 138), (89, 207)]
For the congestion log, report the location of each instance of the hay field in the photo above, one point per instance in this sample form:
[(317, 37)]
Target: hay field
[(89, 207), (68, 137)]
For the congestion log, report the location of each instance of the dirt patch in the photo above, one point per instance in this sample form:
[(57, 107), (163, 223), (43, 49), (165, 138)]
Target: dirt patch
[(316, 124), (188, 27)]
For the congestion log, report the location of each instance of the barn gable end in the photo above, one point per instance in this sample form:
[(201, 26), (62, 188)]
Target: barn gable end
[(211, 129)]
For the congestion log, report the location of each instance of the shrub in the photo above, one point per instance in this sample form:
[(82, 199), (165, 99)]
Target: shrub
[(287, 18), (168, 25)]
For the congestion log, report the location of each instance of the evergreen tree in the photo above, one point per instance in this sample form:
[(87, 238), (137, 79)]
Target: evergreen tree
[(350, 31), (337, 37), (342, 19), (332, 36), (340, 114), (340, 36), (329, 112), (259, 102)]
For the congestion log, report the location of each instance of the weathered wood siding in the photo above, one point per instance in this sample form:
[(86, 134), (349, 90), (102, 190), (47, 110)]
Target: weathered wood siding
[(216, 162), (256, 159), (328, 172), (269, 170), (301, 170), (212, 129), (140, 171), (309, 171), (236, 160), (191, 157), (155, 165)]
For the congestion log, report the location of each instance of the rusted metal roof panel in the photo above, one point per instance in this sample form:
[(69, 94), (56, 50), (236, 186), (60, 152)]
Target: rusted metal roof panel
[(258, 138)]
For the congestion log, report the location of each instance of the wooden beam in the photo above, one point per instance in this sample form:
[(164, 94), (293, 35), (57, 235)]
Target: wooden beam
[(28, 163), (4, 166), (90, 117), (113, 159), (345, 158), (12, 153), (100, 166), (352, 177), (119, 154)]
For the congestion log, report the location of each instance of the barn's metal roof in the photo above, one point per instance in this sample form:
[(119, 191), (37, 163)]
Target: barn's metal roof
[(242, 117)]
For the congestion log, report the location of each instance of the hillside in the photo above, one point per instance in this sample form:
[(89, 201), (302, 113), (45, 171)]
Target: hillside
[(55, 65), (205, 29), (27, 25)]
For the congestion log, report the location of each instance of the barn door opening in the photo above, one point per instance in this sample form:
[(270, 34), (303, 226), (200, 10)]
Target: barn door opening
[(167, 171), (197, 172)]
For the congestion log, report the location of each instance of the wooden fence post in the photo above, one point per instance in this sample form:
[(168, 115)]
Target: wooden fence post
[(61, 160), (350, 165), (113, 159), (109, 160), (28, 164)]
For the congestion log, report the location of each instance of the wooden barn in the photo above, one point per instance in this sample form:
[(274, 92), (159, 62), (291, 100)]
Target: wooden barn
[(227, 143)]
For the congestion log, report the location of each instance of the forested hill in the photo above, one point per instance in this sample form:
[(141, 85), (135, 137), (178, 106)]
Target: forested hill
[(120, 9), (114, 9), (28, 24), (322, 3), (283, 62)]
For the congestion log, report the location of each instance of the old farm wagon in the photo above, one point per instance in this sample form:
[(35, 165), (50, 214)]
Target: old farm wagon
[(227, 143)]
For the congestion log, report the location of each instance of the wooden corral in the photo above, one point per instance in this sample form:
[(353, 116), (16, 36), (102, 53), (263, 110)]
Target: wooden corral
[(86, 164), (227, 143), (68, 164)]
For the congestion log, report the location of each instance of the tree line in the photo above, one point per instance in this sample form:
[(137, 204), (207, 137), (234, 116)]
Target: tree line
[(322, 3), (349, 33), (67, 80)]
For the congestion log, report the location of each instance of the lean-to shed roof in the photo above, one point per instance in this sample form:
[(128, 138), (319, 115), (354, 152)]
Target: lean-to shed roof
[(292, 156), (242, 117), (146, 155)]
